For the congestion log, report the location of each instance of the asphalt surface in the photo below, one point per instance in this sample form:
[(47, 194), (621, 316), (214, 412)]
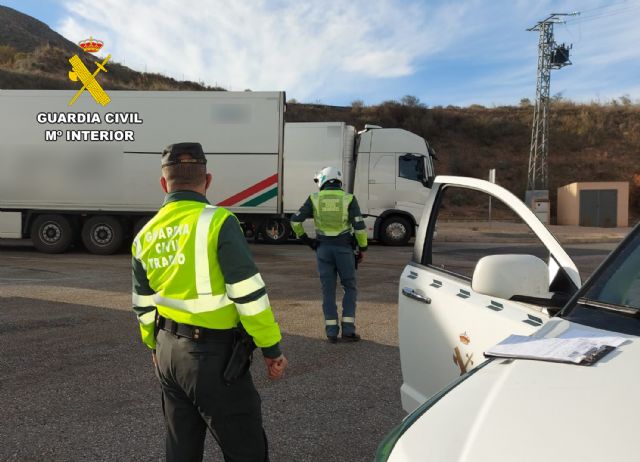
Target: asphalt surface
[(77, 383)]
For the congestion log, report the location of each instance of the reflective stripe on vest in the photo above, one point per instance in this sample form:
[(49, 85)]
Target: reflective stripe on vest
[(246, 287), (142, 300), (331, 212), (147, 318), (203, 278)]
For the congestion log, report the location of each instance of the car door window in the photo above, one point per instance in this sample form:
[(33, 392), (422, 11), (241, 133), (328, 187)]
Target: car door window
[(471, 225)]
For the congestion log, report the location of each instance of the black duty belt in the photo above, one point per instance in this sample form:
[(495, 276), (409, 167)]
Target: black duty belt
[(196, 333)]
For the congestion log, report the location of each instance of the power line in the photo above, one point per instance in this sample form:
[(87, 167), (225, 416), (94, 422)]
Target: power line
[(611, 5), (606, 14)]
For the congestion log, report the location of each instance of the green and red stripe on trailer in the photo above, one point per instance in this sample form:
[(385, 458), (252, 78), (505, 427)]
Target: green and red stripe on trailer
[(273, 229), (257, 194)]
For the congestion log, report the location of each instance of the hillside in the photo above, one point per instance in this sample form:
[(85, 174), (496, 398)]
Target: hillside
[(24, 33), (588, 142), (34, 56)]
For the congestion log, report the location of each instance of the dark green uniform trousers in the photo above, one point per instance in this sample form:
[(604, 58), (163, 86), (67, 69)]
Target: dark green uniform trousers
[(194, 398)]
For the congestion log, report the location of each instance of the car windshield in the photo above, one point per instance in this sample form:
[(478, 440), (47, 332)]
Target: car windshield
[(619, 282)]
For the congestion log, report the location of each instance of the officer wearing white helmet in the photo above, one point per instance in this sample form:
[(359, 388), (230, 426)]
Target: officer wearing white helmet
[(340, 229)]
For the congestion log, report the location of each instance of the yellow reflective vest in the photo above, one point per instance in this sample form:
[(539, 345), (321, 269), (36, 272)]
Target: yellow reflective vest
[(192, 264), (335, 213)]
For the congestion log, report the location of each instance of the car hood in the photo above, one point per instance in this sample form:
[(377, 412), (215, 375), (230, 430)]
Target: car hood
[(526, 410)]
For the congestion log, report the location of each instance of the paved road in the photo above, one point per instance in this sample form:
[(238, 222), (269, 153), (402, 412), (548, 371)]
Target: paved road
[(78, 385)]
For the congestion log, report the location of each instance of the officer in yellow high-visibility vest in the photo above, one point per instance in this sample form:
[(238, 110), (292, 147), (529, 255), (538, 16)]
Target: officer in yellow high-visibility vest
[(194, 280), (337, 220)]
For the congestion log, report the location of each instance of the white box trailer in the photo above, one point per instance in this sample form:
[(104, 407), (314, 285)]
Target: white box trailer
[(93, 171)]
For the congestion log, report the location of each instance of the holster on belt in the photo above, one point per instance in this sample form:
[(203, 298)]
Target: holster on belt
[(156, 325), (241, 355)]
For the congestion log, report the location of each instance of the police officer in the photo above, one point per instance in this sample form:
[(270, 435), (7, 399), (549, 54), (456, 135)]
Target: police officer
[(194, 280), (336, 215)]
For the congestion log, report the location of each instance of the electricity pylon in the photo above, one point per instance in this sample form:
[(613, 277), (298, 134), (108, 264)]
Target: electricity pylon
[(550, 56)]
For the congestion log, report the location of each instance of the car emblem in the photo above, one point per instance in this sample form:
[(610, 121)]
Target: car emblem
[(462, 363)]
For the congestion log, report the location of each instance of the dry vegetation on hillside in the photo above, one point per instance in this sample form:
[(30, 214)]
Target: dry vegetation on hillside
[(47, 66), (588, 142)]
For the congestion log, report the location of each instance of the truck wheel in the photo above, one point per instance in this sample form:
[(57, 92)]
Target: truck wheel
[(139, 224), (395, 230), (102, 235), (51, 233), (275, 231)]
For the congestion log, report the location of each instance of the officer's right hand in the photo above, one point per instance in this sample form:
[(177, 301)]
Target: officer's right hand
[(306, 240), (276, 367)]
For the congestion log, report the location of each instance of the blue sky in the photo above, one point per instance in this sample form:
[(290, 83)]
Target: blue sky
[(336, 51)]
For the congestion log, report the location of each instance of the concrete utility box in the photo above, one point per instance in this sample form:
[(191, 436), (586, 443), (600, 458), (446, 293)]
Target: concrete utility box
[(541, 209), (602, 204)]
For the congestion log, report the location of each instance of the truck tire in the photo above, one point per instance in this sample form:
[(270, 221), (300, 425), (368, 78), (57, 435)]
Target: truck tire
[(102, 235), (51, 233), (395, 230), (139, 224), (275, 231)]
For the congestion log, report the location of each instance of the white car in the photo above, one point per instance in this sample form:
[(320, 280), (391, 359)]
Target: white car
[(465, 408)]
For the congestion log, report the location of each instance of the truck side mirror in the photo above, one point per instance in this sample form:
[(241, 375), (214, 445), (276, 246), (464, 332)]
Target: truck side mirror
[(428, 175), (425, 181)]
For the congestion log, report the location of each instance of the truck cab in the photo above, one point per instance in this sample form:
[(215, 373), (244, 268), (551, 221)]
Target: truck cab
[(393, 174)]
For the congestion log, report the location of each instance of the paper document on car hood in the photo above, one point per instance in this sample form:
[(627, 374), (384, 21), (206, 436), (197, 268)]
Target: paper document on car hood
[(576, 350)]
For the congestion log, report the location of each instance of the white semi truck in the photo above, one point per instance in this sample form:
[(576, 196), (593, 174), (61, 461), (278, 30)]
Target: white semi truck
[(90, 173)]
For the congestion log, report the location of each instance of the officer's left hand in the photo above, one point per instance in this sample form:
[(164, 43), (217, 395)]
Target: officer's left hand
[(154, 359), (276, 367)]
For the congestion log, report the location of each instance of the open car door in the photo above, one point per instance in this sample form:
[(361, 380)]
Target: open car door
[(451, 312)]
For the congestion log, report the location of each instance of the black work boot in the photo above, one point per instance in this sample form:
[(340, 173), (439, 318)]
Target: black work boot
[(350, 337), (332, 334)]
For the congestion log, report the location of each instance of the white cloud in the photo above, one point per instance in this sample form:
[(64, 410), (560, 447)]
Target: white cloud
[(376, 63), (334, 51), (312, 50)]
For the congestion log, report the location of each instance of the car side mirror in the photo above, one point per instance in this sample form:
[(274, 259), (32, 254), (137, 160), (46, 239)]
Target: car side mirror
[(504, 276)]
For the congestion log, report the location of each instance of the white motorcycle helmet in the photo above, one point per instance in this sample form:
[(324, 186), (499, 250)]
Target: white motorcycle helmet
[(327, 174)]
